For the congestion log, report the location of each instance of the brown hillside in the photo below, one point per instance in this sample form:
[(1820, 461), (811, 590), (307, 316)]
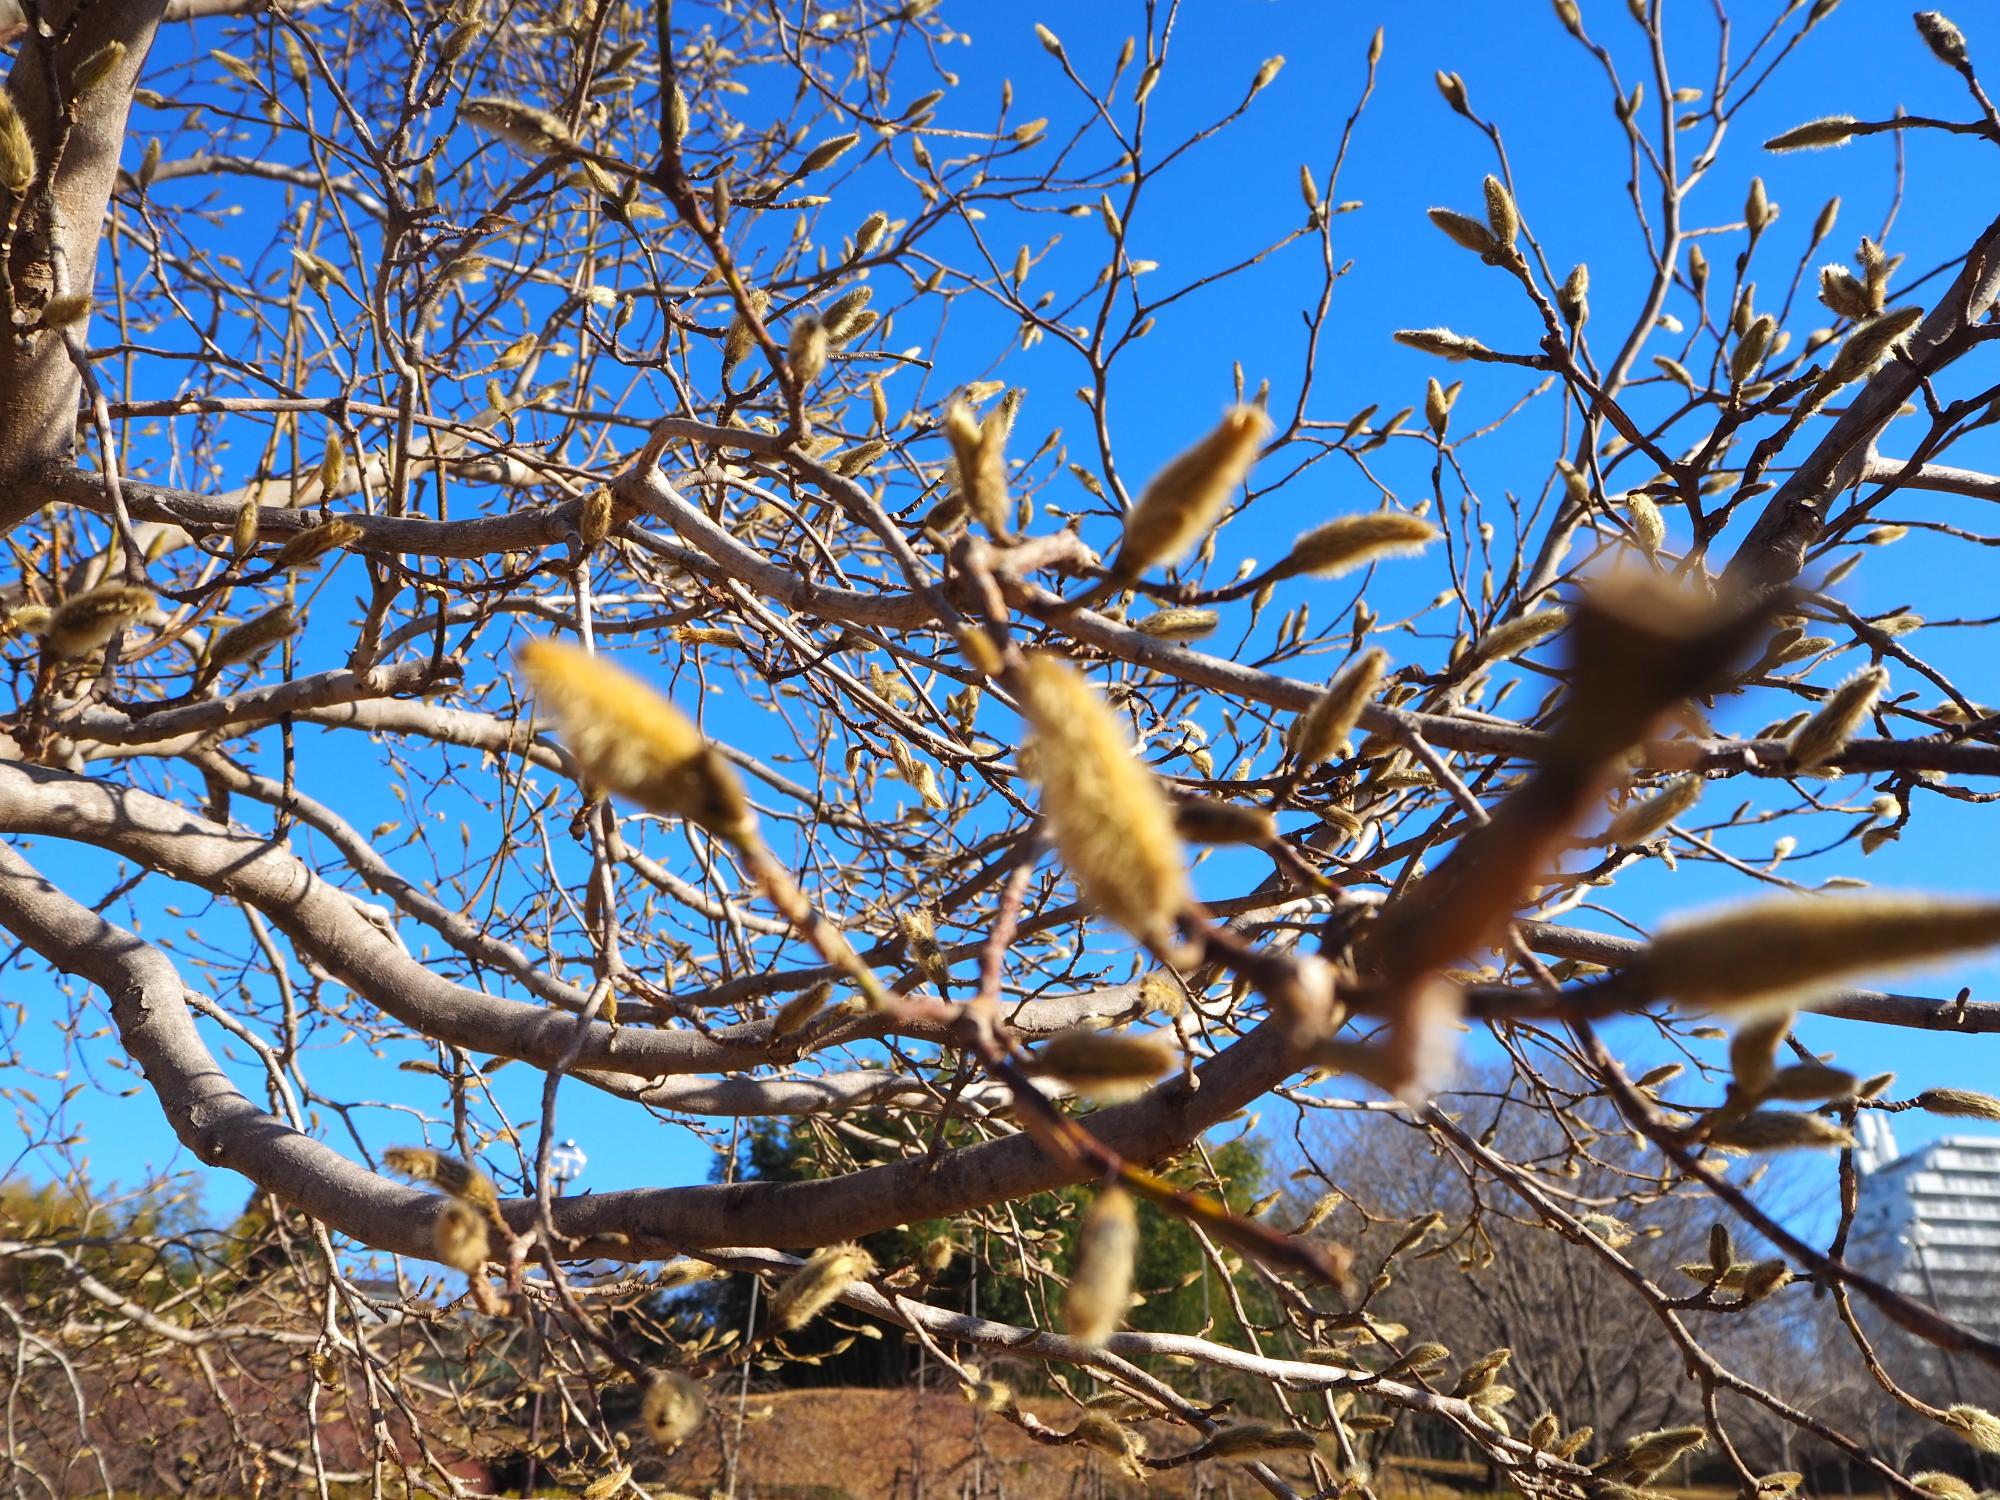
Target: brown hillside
[(902, 1445)]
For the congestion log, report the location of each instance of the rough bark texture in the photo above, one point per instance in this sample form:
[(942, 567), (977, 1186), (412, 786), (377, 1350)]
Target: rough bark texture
[(57, 241)]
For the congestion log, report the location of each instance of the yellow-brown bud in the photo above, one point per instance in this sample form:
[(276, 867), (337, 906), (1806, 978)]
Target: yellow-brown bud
[(1183, 502)]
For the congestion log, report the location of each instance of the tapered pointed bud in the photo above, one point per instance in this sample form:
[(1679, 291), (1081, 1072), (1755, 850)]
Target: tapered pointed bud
[(1510, 638), (1179, 624), (817, 1285), (1182, 504), (1829, 130), (17, 151), (1573, 298), (1946, 41), (1781, 1130), (253, 637), (87, 621), (306, 548), (1441, 342), (1259, 1442), (1206, 821), (1758, 210), (1349, 542), (1323, 728), (1964, 1104), (1843, 293), (826, 153), (1100, 1287), (806, 348), (1502, 217), (1106, 812), (982, 468), (1464, 230), (630, 740), (1823, 736), (1106, 1065), (100, 65), (1870, 343), (1647, 522), (1437, 407), (1640, 821), (1771, 952), (1751, 347)]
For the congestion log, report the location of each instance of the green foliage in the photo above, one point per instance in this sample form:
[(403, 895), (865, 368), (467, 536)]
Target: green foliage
[(116, 1239), (1006, 1268)]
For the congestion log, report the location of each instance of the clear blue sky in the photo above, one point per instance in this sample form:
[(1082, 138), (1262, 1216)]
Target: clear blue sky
[(1411, 152)]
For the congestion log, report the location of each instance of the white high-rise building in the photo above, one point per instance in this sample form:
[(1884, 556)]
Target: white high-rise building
[(1928, 1223)]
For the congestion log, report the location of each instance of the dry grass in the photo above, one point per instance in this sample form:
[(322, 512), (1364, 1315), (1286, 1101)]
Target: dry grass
[(897, 1445), (864, 1444)]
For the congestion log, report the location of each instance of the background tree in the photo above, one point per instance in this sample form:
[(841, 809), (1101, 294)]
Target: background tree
[(555, 534)]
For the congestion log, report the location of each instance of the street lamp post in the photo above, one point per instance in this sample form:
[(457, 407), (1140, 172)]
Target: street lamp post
[(566, 1164)]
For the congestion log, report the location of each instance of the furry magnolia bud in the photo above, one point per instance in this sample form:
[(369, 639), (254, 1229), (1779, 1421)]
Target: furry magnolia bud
[(1780, 1130), (1825, 734), (629, 739), (806, 348), (1255, 1442), (796, 1013), (17, 150), (1768, 952), (1205, 821), (1441, 342), (673, 1407), (826, 153), (252, 637), (1830, 130), (533, 132), (1512, 637), (1946, 41), (306, 548), (1100, 1286), (1649, 1453), (1979, 1426), (1962, 1104), (979, 451), (817, 1284), (1104, 1064), (1183, 502), (844, 318), (1349, 542), (1642, 819), (1502, 217), (1751, 348), (1465, 231), (1106, 812), (1869, 343), (1647, 522), (458, 1236), (1179, 624), (1322, 729), (85, 622)]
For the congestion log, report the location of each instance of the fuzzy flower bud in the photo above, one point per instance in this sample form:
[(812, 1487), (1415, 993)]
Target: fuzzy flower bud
[(1181, 505)]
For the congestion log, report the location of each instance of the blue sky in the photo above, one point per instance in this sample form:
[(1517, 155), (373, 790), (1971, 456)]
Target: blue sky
[(1236, 194)]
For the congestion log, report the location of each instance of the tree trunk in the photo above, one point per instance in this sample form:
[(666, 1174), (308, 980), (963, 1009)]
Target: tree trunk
[(56, 231)]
